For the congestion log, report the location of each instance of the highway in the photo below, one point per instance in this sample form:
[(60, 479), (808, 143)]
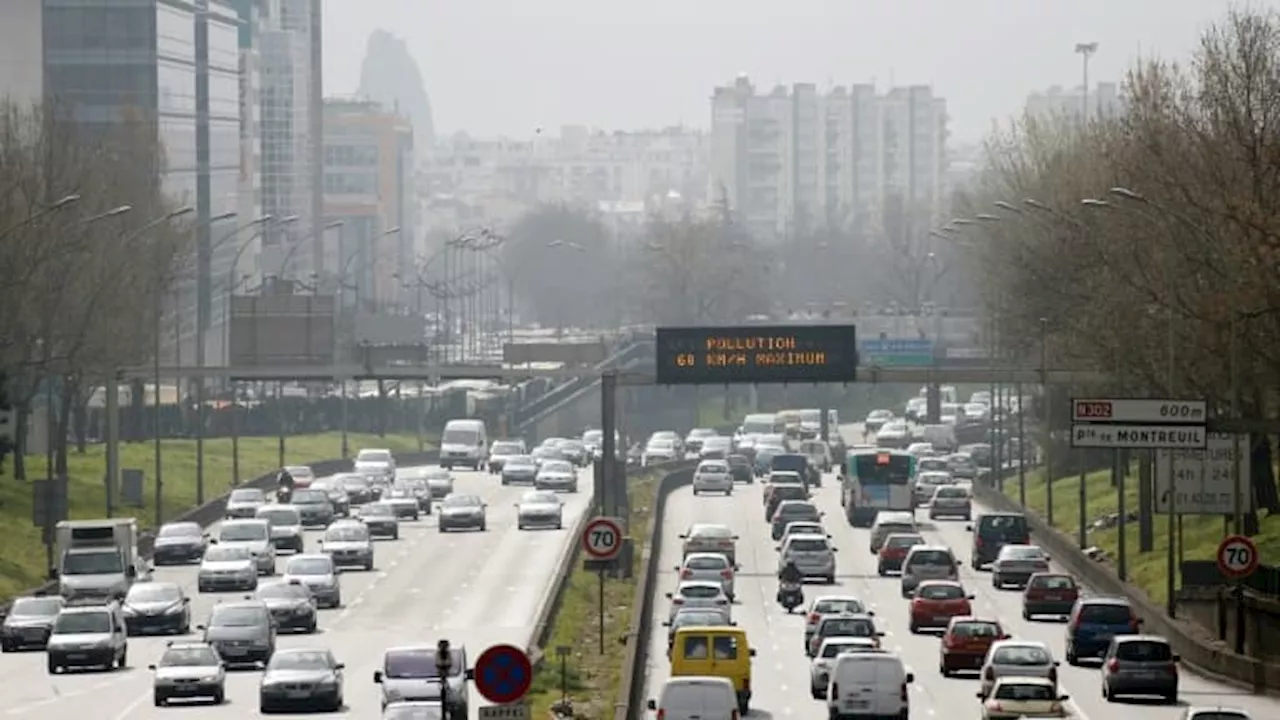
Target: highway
[(474, 588), (781, 671)]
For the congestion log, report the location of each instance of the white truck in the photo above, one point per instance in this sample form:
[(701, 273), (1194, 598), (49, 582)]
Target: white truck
[(96, 559)]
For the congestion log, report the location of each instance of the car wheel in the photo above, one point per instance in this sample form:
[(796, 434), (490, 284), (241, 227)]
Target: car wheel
[(53, 667), (158, 699), (914, 628), (1026, 615), (1107, 694), (519, 526), (220, 697), (124, 658), (880, 570), (440, 528), (942, 668), (484, 527)]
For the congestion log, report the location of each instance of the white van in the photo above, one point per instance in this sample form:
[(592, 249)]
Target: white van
[(872, 684), (761, 424), (464, 442), (697, 698)]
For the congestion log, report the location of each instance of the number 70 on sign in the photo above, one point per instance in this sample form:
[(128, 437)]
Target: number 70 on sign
[(602, 538)]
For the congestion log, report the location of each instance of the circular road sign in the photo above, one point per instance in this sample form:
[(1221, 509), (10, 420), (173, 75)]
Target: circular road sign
[(503, 674), (602, 538), (1237, 556)]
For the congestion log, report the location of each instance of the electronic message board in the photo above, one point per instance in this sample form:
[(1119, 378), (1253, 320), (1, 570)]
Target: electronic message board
[(757, 354)]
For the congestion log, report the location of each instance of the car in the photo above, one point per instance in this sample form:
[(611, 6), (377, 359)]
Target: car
[(557, 475), (961, 465), (241, 631), (778, 478), (802, 527), (1017, 658), (932, 463), (824, 605), (694, 440), (1215, 712), (226, 568), (419, 490), (286, 526), (403, 502), (179, 543), (992, 531), (894, 551), (1016, 564), (951, 501), (935, 602), (88, 636), (699, 594), (29, 622), (888, 522), (252, 535), (381, 520), (314, 506), (321, 576), (543, 453), (244, 502), (1014, 697), (869, 684), (712, 567), (292, 605), (893, 434), (521, 469), (440, 481), (500, 451), (820, 666), (1094, 621), (1049, 593), (924, 450), (716, 447), (659, 450), (789, 511), (695, 617), (412, 673), (357, 487), (337, 494), (575, 452), (1139, 665), (303, 476), (378, 462), (965, 644), (927, 562), (696, 697), (798, 463), (818, 454), (927, 483), (461, 511), (188, 670), (710, 537), (829, 626), (740, 468), (539, 508), (779, 494), (813, 555), (413, 710), (712, 476), (301, 678), (877, 419), (349, 543), (156, 607)]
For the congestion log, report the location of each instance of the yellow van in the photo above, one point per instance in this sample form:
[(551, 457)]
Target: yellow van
[(715, 652)]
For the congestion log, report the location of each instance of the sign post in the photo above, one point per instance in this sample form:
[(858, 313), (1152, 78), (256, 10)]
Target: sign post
[(503, 675), (1238, 559), (602, 539)]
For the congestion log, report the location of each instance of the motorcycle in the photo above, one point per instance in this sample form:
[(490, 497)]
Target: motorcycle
[(790, 596), (283, 495)]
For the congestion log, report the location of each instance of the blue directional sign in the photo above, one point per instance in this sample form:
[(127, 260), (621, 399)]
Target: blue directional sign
[(896, 352)]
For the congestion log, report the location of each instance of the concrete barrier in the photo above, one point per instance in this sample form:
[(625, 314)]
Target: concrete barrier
[(214, 510), (1196, 645)]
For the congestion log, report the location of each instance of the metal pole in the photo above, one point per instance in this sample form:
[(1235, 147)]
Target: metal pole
[(113, 441), (1237, 452), (1022, 464), (280, 418), (1171, 566), (159, 463), (600, 609), (1048, 420), (1118, 474), (346, 451), (609, 428), (235, 434)]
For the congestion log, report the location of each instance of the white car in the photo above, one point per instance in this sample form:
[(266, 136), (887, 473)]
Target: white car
[(557, 475), (189, 670), (712, 476), (820, 666), (253, 535), (697, 698), (1019, 697), (376, 461), (802, 527), (825, 605), (708, 537), (698, 594), (659, 450), (321, 576), (812, 554), (227, 567), (711, 567), (286, 525)]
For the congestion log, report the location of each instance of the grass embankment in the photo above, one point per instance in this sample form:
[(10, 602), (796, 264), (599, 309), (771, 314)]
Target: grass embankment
[(593, 679), (1200, 534), (22, 562)]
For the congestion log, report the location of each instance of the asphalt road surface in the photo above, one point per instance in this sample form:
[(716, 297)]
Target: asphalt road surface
[(474, 588), (780, 674)]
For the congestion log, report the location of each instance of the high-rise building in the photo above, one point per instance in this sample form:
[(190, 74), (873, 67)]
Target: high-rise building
[(21, 49), (248, 244), (1105, 100), (796, 159)]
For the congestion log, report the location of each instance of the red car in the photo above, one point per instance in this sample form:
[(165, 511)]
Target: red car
[(935, 602), (894, 551), (965, 644), (1049, 594)]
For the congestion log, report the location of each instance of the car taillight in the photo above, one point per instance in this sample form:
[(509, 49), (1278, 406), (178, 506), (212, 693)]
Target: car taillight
[(988, 675), (1055, 708), (977, 542), (733, 714), (662, 713), (1053, 674), (1113, 665), (726, 574), (995, 706), (677, 601), (904, 692), (813, 618), (687, 573), (722, 601), (1135, 625), (835, 690), (746, 685)]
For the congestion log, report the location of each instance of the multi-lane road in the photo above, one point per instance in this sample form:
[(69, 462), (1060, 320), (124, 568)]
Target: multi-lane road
[(780, 672), (474, 588)]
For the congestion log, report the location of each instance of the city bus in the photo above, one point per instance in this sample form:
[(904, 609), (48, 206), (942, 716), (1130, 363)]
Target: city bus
[(876, 480)]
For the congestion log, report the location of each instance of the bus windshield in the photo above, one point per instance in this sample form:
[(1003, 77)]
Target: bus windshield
[(883, 468)]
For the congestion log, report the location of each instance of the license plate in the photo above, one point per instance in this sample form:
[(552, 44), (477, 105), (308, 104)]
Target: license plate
[(859, 704), (234, 651), (297, 694), (942, 619), (1053, 597), (77, 656)]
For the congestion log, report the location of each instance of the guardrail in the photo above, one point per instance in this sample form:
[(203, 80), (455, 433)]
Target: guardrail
[(1196, 646), (214, 510)]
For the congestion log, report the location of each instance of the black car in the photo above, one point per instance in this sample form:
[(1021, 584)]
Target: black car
[(242, 632), (380, 519), (29, 622), (291, 604), (993, 531), (358, 489), (314, 506), (157, 608), (301, 678), (179, 543), (740, 468), (799, 464)]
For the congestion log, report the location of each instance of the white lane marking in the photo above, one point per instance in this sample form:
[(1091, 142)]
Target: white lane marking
[(105, 684), (128, 710)]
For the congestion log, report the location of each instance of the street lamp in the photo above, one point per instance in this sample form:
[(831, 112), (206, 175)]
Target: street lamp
[(113, 212), (1010, 207), (35, 216), (298, 242), (1096, 204)]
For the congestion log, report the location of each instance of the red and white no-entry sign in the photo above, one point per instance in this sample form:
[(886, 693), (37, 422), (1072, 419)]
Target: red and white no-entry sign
[(1237, 556), (602, 538)]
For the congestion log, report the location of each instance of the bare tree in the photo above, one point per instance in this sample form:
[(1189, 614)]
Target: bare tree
[(562, 265)]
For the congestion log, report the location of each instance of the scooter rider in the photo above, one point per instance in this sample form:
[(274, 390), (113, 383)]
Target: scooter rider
[(789, 575), (284, 485)]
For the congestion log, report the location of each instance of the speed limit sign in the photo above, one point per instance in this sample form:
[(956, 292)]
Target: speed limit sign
[(602, 538), (1237, 557)]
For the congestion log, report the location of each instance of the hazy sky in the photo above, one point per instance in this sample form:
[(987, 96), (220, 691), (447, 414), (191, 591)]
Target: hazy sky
[(510, 66)]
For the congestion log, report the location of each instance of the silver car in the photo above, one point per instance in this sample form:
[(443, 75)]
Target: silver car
[(349, 544), (820, 666), (403, 502), (226, 568), (519, 469), (380, 520), (699, 594), (707, 537), (711, 567), (927, 562), (302, 679), (825, 605), (252, 535), (411, 674), (189, 670), (803, 527), (440, 481), (927, 483), (539, 508), (1016, 564), (376, 461), (462, 512), (314, 506), (244, 502), (951, 500), (286, 526), (319, 573), (559, 475), (712, 476), (1017, 658), (812, 554), (417, 710)]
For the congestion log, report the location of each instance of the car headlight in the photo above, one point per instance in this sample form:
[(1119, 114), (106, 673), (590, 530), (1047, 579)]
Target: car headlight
[(209, 679), (394, 695)]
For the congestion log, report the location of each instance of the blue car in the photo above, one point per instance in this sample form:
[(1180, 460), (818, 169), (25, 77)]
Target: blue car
[(1094, 622)]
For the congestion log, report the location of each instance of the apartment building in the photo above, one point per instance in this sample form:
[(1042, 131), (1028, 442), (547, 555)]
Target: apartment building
[(796, 158), (1105, 100)]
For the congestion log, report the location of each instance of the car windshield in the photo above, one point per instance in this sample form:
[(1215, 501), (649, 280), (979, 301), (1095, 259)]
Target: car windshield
[(904, 541), (505, 448), (153, 593), (557, 466), (83, 622), (1106, 614), (224, 616), (936, 558), (661, 444), (243, 533), (299, 660), (713, 468), (853, 627), (976, 630), (933, 478), (931, 591), (459, 501), (283, 591), (952, 492), (376, 456), (932, 465), (1144, 651), (189, 657), (1053, 582), (789, 492), (309, 566), (346, 533), (785, 477), (247, 495), (807, 545), (700, 592), (1028, 655), (1013, 552), (377, 510), (837, 607), (710, 532), (803, 528), (707, 562), (832, 649), (310, 497), (35, 607), (700, 617), (302, 471), (1024, 692), (191, 530), (419, 664), (227, 554), (1003, 525), (540, 498), (354, 483), (460, 436), (280, 516), (797, 511), (593, 436), (92, 563), (1219, 715)]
